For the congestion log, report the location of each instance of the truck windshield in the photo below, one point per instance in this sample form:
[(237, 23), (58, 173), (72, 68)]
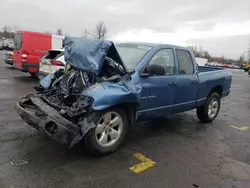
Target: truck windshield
[(132, 54), (18, 41)]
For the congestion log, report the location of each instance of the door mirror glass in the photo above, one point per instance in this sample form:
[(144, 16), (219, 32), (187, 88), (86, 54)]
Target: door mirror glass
[(155, 69)]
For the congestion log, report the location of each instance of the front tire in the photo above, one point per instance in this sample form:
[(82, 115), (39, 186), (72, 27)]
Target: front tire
[(209, 111), (109, 133)]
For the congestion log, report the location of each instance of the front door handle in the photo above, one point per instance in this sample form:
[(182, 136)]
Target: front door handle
[(171, 83), (194, 81)]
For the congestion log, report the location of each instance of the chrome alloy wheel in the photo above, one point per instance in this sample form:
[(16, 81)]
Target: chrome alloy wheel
[(213, 108), (109, 129)]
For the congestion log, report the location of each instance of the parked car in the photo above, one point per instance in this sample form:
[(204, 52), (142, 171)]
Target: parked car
[(5, 43), (10, 45), (235, 66), (51, 62), (1, 44), (100, 94), (201, 61), (246, 67), (30, 46), (9, 58), (213, 64), (227, 66)]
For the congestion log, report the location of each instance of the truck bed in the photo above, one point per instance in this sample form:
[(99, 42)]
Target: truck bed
[(210, 77), (213, 74), (208, 69)]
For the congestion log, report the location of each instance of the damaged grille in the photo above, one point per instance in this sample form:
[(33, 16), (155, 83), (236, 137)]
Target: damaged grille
[(65, 94)]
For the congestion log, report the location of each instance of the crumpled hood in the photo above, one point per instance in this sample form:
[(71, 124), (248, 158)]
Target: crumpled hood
[(89, 55)]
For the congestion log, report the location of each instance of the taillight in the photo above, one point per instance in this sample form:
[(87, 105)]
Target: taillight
[(24, 58), (58, 63)]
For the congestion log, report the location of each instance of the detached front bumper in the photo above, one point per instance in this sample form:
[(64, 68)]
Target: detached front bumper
[(46, 119)]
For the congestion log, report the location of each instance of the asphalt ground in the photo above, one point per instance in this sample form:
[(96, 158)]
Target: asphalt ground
[(176, 151)]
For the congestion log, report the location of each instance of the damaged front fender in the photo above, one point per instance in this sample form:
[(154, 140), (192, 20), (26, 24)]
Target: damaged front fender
[(109, 94)]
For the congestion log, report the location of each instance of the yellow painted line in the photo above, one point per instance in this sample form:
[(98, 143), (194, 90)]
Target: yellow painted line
[(240, 128), (146, 163)]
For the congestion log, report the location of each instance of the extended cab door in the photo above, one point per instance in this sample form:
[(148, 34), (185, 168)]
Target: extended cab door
[(187, 82), (158, 91)]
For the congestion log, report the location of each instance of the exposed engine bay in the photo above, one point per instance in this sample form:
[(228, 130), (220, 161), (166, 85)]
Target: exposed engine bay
[(65, 91)]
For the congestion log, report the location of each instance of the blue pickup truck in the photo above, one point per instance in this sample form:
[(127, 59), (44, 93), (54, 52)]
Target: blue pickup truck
[(106, 88)]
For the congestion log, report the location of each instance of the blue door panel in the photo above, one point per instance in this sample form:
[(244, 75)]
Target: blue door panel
[(160, 99), (186, 92)]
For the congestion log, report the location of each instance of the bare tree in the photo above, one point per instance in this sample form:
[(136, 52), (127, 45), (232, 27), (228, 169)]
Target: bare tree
[(15, 28), (66, 34), (59, 31), (6, 31), (101, 30), (86, 34)]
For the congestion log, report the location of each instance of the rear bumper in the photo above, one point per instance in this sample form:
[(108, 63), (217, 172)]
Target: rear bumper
[(27, 67), (51, 123), (9, 61)]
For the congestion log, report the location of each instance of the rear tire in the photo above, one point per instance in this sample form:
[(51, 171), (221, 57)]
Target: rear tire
[(209, 111), (33, 74), (93, 142)]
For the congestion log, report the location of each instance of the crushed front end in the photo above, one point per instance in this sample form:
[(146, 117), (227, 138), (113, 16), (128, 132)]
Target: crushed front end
[(44, 118), (59, 108)]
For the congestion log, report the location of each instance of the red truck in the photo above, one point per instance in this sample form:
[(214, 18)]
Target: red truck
[(30, 46)]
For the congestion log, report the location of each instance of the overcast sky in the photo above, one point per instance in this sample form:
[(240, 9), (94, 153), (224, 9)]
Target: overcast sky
[(220, 26)]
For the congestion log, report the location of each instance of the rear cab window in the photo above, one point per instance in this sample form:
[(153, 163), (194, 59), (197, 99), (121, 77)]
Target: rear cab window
[(18, 41), (53, 54), (185, 61)]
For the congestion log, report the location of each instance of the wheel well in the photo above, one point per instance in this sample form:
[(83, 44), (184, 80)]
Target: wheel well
[(218, 89), (130, 110)]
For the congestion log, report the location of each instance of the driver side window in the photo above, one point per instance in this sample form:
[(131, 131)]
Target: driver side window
[(165, 58)]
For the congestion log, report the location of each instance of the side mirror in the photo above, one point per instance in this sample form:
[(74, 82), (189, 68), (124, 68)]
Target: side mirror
[(153, 69)]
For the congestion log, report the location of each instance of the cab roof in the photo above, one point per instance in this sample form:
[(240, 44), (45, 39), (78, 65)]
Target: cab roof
[(153, 45)]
